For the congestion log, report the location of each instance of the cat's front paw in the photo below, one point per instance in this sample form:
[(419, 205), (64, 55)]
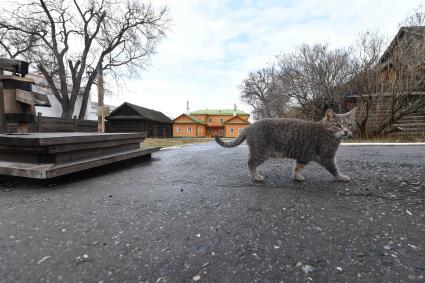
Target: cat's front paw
[(259, 178), (343, 178), (299, 178)]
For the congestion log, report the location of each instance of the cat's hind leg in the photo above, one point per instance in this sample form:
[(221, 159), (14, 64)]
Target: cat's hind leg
[(330, 165), (297, 172), (253, 163)]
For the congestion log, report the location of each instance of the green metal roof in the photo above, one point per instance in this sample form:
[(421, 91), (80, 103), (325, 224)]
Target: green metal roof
[(217, 112)]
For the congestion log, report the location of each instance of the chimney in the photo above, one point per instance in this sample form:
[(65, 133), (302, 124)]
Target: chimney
[(234, 110), (187, 108)]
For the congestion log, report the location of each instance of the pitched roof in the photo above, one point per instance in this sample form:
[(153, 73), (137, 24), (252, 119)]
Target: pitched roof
[(217, 112), (415, 31), (146, 113), (237, 120), (194, 119)]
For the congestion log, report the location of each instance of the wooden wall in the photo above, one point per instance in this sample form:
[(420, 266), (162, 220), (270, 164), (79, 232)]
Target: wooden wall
[(153, 129), (198, 130), (237, 128)]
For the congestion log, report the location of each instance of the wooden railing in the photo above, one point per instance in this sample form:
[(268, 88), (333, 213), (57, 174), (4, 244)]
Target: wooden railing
[(53, 124)]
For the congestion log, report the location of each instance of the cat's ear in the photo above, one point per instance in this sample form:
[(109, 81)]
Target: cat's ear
[(352, 113), (329, 115)]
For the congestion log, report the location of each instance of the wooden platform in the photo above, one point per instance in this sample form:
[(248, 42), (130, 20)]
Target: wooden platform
[(48, 155)]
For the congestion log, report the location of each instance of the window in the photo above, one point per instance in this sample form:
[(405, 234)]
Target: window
[(232, 131), (240, 130), (221, 120), (189, 129), (209, 120), (178, 130)]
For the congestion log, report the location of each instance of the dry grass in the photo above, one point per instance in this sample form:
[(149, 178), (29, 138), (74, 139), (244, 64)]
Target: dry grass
[(174, 141)]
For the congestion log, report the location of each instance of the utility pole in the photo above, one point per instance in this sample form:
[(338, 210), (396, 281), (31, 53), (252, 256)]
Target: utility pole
[(100, 107), (2, 116)]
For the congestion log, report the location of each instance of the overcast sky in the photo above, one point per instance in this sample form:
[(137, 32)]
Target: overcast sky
[(212, 45)]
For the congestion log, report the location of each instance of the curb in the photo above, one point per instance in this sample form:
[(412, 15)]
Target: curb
[(384, 143)]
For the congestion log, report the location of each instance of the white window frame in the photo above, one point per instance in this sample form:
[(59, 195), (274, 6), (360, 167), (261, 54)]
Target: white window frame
[(189, 129), (178, 130), (240, 130), (232, 130)]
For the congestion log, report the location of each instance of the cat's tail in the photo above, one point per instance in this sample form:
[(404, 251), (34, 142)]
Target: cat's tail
[(232, 143)]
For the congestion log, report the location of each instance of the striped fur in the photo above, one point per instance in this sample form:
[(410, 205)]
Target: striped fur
[(235, 142), (304, 141)]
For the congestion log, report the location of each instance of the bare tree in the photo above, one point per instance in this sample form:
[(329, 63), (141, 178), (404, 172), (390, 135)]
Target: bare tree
[(365, 85), (263, 91), (390, 85), (313, 76), (12, 45), (415, 18), (71, 40)]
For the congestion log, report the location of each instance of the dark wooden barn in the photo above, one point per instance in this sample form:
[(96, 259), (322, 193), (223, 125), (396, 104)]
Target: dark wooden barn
[(133, 118)]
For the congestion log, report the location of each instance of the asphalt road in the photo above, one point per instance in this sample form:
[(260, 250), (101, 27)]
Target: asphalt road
[(193, 214)]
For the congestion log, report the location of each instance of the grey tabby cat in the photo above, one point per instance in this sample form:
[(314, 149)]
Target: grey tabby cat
[(301, 140)]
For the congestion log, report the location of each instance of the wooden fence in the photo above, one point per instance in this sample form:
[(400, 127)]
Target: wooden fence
[(52, 124)]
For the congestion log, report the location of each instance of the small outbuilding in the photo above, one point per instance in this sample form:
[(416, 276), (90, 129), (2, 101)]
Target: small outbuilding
[(133, 118)]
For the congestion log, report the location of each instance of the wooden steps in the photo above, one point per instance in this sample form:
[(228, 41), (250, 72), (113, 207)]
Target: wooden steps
[(49, 155)]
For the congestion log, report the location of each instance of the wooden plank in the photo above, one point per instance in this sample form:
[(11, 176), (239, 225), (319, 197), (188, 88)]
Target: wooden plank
[(19, 157), (58, 121), (80, 146), (68, 168), (40, 139), (27, 170), (25, 97), (41, 99), (87, 123), (48, 128), (89, 137), (23, 149), (13, 65), (92, 153), (9, 98), (46, 171)]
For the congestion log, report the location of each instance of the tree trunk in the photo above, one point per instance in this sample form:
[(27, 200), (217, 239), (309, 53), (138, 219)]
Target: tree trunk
[(3, 125), (86, 93), (100, 95), (66, 113)]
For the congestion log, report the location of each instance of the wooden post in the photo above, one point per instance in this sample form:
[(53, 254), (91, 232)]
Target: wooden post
[(39, 121), (2, 117), (75, 124), (23, 128), (100, 106)]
